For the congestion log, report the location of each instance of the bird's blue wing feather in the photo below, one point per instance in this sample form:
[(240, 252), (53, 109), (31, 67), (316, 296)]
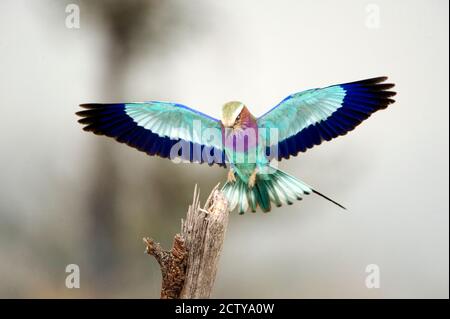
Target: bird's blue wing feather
[(165, 129), (305, 119)]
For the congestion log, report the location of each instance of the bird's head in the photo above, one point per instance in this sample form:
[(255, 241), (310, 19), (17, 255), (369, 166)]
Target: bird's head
[(231, 114)]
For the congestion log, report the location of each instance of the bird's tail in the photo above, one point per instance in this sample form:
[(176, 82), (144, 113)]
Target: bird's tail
[(277, 187)]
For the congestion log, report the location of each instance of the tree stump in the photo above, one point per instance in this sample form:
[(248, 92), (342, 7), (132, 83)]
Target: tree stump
[(189, 268)]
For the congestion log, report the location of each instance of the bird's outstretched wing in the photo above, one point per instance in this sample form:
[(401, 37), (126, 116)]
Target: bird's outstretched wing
[(307, 118), (165, 129)]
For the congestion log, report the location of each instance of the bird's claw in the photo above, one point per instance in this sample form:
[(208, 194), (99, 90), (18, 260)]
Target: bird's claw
[(231, 178), (252, 179)]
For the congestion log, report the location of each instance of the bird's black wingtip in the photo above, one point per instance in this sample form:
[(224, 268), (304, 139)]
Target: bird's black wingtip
[(90, 105)]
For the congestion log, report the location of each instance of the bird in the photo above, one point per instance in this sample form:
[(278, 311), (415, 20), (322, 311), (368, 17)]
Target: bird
[(248, 146)]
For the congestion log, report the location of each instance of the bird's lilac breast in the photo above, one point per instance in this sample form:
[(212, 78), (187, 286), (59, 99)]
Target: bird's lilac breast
[(241, 141)]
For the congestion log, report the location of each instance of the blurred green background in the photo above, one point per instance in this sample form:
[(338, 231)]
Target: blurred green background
[(67, 196)]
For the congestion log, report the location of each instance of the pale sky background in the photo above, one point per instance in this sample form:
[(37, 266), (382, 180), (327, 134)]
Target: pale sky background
[(391, 172)]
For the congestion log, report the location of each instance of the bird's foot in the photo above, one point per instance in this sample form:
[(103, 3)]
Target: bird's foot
[(231, 178), (252, 179)]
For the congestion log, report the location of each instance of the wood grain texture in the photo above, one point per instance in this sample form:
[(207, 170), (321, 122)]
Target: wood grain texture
[(189, 269)]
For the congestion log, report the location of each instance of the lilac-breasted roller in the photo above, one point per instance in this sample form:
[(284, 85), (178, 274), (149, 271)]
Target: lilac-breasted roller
[(239, 140)]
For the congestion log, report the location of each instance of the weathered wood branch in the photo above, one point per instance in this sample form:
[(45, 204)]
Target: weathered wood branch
[(172, 264), (189, 269)]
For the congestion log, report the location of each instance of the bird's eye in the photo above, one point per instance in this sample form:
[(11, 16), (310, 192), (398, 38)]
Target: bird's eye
[(238, 117)]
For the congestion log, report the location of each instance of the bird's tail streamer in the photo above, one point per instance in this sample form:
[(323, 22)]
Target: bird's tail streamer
[(277, 187)]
